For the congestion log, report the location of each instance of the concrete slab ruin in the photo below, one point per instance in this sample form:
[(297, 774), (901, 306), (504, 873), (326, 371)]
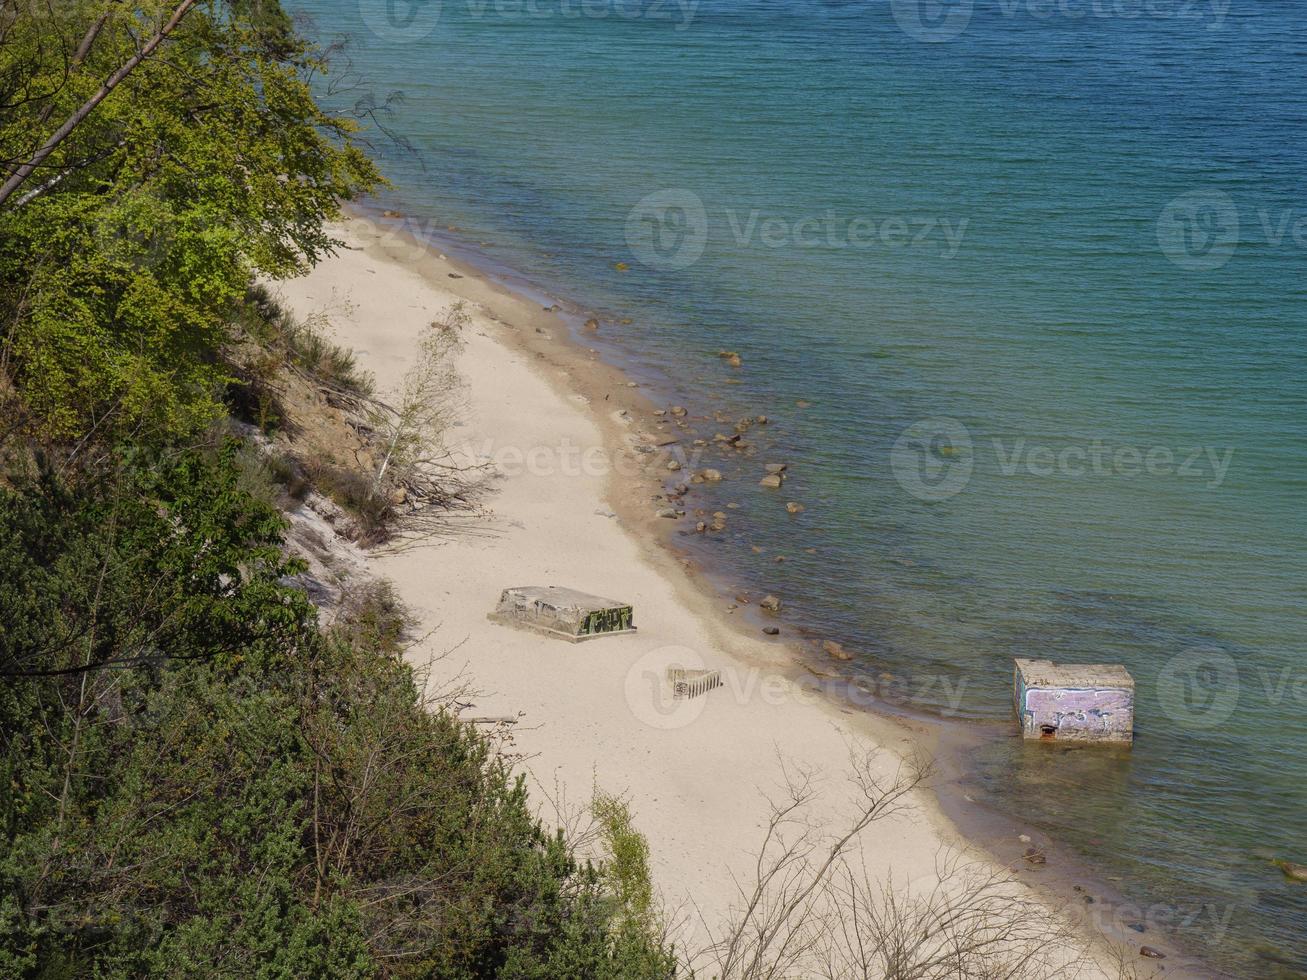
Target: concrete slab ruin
[(562, 612), (1074, 702), (690, 682)]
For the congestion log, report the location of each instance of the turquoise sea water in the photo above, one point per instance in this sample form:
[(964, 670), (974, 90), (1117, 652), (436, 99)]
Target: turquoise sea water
[(1038, 271)]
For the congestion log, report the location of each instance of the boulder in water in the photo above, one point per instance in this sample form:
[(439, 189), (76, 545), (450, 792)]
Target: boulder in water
[(835, 650), (1294, 872)]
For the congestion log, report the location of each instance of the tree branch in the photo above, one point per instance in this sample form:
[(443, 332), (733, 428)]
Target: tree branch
[(72, 122)]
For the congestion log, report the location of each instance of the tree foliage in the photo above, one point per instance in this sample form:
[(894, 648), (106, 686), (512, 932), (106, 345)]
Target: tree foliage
[(123, 254), (197, 777)]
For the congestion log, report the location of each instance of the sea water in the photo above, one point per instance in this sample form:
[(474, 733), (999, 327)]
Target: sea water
[(1019, 285)]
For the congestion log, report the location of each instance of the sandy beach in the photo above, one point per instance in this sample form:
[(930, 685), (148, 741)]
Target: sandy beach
[(571, 502)]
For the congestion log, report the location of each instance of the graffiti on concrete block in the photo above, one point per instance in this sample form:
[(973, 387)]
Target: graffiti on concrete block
[(607, 620)]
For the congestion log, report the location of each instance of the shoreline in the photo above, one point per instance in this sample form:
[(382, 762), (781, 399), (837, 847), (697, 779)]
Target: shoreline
[(551, 343)]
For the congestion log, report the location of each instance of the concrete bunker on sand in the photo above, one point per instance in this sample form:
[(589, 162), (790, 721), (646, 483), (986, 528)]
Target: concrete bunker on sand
[(566, 613)]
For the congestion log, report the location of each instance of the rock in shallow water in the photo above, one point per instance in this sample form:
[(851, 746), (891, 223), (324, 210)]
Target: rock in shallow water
[(1294, 872), (835, 650)]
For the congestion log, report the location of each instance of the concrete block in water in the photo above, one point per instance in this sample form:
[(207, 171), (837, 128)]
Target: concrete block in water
[(1074, 702), (563, 612)]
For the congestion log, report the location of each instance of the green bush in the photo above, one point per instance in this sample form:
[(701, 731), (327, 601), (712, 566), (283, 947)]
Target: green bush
[(199, 780)]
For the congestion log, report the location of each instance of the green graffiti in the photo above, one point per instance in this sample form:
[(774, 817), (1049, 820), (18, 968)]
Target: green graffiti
[(607, 621)]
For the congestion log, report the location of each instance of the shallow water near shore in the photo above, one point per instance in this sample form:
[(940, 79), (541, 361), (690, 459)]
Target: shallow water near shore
[(1023, 301)]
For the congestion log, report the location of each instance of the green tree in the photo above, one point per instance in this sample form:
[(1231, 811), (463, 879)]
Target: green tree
[(124, 252)]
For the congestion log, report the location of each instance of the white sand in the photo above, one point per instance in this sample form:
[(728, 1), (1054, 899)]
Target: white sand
[(695, 777)]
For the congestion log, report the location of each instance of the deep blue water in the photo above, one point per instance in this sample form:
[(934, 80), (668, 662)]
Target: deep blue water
[(1041, 282)]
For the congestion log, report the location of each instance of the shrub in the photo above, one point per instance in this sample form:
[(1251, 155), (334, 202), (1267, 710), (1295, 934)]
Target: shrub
[(628, 859), (196, 779), (303, 344)]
